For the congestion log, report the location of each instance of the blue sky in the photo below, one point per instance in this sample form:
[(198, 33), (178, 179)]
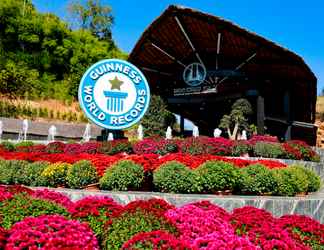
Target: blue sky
[(294, 24)]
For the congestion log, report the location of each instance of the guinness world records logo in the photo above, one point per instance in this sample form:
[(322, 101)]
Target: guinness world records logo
[(114, 94)]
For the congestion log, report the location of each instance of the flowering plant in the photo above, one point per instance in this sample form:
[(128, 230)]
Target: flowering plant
[(205, 229), (157, 240), (146, 146), (261, 228), (55, 174), (55, 147), (153, 205), (303, 230), (96, 211), (131, 223), (3, 238), (4, 194), (262, 138), (51, 232), (21, 206), (55, 197)]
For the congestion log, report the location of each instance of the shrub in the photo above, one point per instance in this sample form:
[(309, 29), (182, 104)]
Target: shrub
[(9, 146), (123, 175), (262, 138), (4, 195), (51, 232), (305, 150), (128, 224), (261, 228), (269, 150), (81, 174), (31, 174), (157, 240), (146, 146), (313, 180), (241, 148), (115, 147), (217, 176), (303, 230), (153, 205), (52, 196), (174, 177), (22, 205), (256, 179), (24, 144), (167, 146), (96, 211), (55, 174), (55, 147), (194, 146), (3, 238), (11, 171), (291, 181)]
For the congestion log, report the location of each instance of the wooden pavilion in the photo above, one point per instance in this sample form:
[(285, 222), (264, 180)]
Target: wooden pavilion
[(233, 63)]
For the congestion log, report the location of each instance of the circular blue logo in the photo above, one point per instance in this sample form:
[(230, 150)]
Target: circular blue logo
[(114, 94), (194, 74)]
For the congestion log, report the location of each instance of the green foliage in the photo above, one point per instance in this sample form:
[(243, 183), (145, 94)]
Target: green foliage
[(128, 224), (269, 150), (55, 174), (11, 171), (237, 118), (8, 146), (113, 147), (256, 179), (240, 149), (123, 175), (22, 205), (94, 16), (31, 174), (24, 144), (40, 56), (296, 179), (314, 179), (81, 174), (174, 177), (217, 176), (157, 118)]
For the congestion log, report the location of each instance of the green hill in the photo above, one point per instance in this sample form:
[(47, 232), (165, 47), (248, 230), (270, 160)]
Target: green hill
[(41, 57)]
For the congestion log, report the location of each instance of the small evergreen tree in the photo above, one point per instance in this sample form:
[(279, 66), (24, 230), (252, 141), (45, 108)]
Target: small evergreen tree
[(237, 118), (157, 118)]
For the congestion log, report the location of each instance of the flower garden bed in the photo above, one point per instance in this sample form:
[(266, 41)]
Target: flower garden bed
[(175, 173), (43, 219), (257, 146)]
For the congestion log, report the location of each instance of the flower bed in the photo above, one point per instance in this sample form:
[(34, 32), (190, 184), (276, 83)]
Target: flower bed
[(175, 173), (257, 146), (101, 223)]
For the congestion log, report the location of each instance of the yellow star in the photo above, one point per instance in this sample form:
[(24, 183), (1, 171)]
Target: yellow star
[(116, 83)]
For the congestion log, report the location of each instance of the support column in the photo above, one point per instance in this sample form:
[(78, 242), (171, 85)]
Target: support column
[(181, 125), (260, 115), (288, 114)]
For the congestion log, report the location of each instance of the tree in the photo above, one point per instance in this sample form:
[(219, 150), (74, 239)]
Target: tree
[(93, 16), (157, 118), (41, 55), (237, 118)]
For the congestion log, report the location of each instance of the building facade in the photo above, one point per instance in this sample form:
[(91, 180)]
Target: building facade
[(200, 64)]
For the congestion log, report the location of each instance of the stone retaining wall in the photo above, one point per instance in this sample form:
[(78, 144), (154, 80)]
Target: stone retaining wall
[(311, 205)]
